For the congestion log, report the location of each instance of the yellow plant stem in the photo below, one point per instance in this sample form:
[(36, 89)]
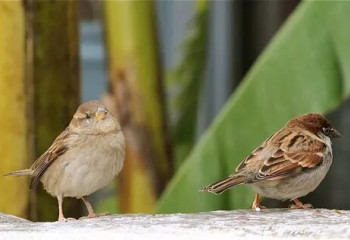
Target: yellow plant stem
[(13, 122), (135, 77)]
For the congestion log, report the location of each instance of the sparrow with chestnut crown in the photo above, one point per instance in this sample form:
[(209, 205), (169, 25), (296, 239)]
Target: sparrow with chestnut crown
[(289, 164)]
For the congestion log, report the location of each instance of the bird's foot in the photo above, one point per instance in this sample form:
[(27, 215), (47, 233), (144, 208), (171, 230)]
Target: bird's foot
[(94, 215), (304, 206), (258, 207), (299, 205), (63, 219), (256, 204)]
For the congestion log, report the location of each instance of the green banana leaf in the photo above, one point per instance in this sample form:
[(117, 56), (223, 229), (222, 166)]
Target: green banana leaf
[(306, 68)]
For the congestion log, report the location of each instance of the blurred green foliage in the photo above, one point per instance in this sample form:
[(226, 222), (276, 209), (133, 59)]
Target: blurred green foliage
[(187, 79), (304, 69)]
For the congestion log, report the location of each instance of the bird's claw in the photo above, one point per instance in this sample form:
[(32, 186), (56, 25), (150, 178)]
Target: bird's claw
[(94, 215), (302, 206)]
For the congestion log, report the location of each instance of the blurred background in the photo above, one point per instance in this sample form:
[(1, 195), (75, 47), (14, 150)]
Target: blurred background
[(196, 85)]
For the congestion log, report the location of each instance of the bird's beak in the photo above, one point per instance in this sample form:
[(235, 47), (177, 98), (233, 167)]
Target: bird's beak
[(101, 113), (335, 134)]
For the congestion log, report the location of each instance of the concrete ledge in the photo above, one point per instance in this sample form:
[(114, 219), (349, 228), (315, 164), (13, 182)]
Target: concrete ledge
[(273, 223)]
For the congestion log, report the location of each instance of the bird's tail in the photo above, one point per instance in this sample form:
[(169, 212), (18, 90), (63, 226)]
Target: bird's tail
[(23, 172), (224, 184)]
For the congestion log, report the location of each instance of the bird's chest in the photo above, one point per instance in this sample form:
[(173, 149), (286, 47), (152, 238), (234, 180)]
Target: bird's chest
[(297, 185), (98, 154), (90, 164)]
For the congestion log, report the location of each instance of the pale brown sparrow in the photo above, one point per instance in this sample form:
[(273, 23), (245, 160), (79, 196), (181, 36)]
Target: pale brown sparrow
[(84, 158), (289, 164)]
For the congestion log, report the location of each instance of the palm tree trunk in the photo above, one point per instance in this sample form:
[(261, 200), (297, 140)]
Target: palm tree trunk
[(137, 87)]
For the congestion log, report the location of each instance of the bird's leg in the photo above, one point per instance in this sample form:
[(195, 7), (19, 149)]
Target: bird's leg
[(256, 205), (91, 211), (299, 205), (60, 209)]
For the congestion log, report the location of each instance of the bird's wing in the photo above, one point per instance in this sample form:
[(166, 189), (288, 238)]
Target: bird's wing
[(58, 147), (285, 153)]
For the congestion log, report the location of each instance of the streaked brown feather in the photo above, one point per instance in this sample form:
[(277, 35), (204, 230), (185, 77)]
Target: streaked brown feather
[(224, 184), (255, 153), (273, 160), (279, 159), (44, 161), (278, 169)]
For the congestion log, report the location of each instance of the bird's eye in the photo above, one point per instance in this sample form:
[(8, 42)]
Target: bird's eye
[(88, 116), (326, 131)]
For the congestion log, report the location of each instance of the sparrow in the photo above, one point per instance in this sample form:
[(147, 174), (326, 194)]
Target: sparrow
[(289, 164), (84, 158)]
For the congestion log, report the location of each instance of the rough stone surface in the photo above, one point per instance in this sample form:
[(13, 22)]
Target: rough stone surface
[(274, 223)]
